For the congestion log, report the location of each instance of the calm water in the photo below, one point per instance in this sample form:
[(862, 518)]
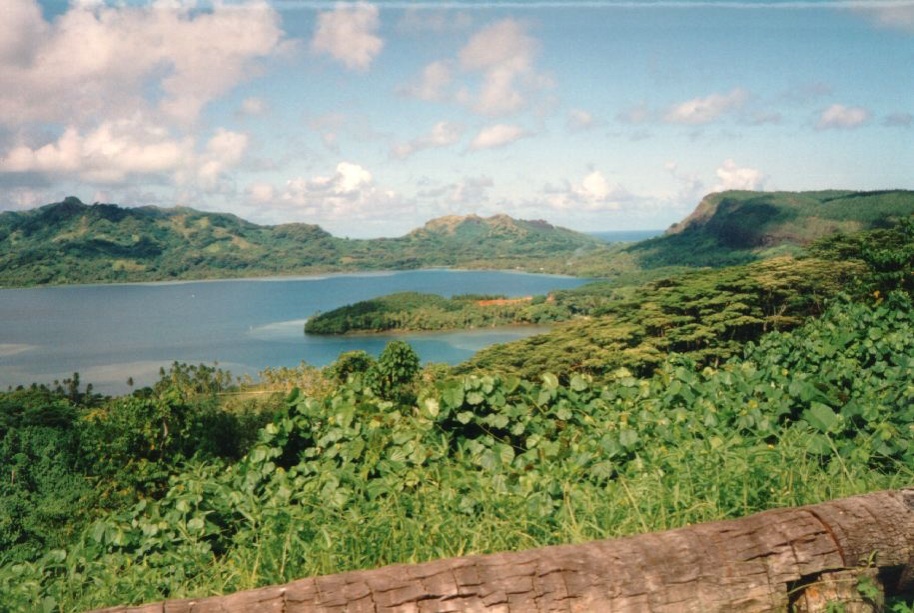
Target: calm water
[(108, 333)]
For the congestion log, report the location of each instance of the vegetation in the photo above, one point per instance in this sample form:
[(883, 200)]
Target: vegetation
[(488, 463), (707, 315), (70, 242), (726, 230), (416, 311), (692, 397)]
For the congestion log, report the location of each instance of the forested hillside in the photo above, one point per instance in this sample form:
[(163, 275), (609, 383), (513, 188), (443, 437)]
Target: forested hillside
[(378, 461), (70, 242), (739, 227)]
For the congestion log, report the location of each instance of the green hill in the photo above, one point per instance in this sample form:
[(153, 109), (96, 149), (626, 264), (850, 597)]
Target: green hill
[(737, 227), (71, 242)]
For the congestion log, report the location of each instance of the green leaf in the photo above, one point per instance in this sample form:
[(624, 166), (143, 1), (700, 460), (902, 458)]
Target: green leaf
[(452, 395), (550, 381), (820, 417), (628, 438), (475, 398), (579, 383), (506, 454), (431, 407)]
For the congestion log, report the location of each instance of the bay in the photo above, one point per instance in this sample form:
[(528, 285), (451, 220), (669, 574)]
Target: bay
[(109, 333)]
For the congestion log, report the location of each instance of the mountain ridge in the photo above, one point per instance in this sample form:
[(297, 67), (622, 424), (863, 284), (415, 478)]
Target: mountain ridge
[(73, 242)]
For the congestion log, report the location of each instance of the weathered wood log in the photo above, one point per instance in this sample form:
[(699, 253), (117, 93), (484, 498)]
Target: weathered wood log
[(785, 559)]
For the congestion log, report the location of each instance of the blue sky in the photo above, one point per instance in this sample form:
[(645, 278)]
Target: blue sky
[(371, 118)]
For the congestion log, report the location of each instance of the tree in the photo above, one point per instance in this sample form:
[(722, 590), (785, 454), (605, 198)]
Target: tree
[(396, 369), (350, 363)]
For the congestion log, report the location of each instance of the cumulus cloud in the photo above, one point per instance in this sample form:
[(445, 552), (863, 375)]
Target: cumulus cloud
[(118, 151), (503, 55), (496, 136), (699, 111), (348, 34), (594, 193), (471, 191), (838, 116), (432, 84), (493, 74), (348, 194), (21, 25), (224, 151), (731, 176), (690, 187), (106, 60), (110, 153), (442, 134)]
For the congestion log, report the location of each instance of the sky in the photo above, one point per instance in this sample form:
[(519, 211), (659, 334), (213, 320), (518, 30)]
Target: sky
[(370, 119)]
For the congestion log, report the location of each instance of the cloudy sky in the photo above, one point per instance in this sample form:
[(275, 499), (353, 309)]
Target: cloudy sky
[(371, 118)]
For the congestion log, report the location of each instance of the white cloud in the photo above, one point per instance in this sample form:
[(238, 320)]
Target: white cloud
[(347, 195), (705, 110), (690, 188), (348, 34), (433, 84), (838, 116), (118, 151), (442, 134), (261, 193), (109, 154), (103, 60), (594, 193), (224, 151), (503, 55), (731, 176), (471, 191), (21, 26), (498, 135), (496, 67)]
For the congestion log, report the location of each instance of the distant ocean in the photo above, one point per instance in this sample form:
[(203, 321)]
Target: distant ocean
[(626, 236)]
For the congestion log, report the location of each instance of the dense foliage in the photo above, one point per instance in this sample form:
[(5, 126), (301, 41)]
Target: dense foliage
[(417, 311), (68, 455), (737, 227), (488, 463), (709, 394), (707, 315), (70, 242)]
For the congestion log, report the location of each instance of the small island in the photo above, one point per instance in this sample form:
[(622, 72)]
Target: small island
[(414, 311)]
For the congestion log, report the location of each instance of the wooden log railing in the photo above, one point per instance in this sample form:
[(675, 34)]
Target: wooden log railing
[(850, 551)]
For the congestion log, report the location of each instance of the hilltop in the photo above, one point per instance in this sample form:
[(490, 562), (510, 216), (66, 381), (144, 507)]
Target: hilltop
[(72, 242), (737, 227)]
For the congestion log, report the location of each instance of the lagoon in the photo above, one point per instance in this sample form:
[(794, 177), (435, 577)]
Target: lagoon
[(109, 333)]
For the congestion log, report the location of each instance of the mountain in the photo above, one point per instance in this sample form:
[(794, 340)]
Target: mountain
[(72, 242), (737, 227)]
